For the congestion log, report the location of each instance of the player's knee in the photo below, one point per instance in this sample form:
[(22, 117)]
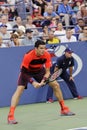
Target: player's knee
[(56, 86)]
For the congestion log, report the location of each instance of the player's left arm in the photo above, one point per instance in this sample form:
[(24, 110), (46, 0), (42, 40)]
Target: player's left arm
[(47, 74), (47, 65), (45, 77)]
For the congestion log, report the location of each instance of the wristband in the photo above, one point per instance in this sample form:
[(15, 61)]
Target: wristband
[(44, 79), (31, 80)]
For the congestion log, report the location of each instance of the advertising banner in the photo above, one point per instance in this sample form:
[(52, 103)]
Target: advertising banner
[(10, 61)]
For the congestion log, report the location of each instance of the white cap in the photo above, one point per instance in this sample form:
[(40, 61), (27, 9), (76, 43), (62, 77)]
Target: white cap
[(22, 28)]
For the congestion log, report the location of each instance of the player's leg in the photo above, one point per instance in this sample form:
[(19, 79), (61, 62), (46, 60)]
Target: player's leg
[(56, 89), (14, 102), (22, 84), (58, 93)]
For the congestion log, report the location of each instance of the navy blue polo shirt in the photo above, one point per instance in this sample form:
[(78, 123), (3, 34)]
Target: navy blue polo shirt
[(64, 63)]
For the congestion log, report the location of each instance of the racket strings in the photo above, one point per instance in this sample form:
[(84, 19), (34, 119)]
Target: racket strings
[(55, 75)]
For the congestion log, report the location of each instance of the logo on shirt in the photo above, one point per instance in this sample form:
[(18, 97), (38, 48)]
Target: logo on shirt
[(69, 62)]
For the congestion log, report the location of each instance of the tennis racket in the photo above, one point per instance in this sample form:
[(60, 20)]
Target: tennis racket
[(54, 76)]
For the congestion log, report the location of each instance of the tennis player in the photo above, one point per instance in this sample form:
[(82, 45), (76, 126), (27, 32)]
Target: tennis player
[(35, 69)]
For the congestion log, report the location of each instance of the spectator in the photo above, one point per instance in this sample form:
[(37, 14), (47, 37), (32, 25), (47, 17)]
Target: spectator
[(83, 36), (77, 5), (66, 13), (30, 25), (11, 2), (37, 18), (52, 39), (30, 4), (29, 39), (22, 28), (53, 24), (60, 30), (14, 40), (45, 30), (68, 37), (2, 2), (18, 22), (4, 20), (44, 33), (13, 13), (5, 10), (5, 34), (78, 28), (44, 37), (1, 43), (82, 13), (21, 32), (41, 4), (49, 14)]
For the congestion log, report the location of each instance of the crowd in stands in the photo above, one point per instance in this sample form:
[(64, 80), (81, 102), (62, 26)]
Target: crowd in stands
[(53, 21)]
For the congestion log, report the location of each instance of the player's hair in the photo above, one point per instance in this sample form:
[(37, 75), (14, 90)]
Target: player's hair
[(39, 42)]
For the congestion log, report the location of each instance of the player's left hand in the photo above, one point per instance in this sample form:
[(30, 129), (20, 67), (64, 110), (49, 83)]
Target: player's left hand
[(42, 83), (36, 84)]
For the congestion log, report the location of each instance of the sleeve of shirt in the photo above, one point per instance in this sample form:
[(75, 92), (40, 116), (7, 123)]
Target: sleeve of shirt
[(45, 14), (80, 36), (54, 14), (25, 61), (72, 62), (48, 63), (60, 9), (71, 11)]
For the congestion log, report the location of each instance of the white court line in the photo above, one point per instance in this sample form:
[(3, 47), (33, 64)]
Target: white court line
[(80, 128)]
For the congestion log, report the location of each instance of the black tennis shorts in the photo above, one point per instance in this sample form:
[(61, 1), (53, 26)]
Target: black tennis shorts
[(24, 78)]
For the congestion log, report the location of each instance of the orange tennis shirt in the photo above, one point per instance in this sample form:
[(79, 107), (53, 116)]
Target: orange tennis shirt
[(32, 62)]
